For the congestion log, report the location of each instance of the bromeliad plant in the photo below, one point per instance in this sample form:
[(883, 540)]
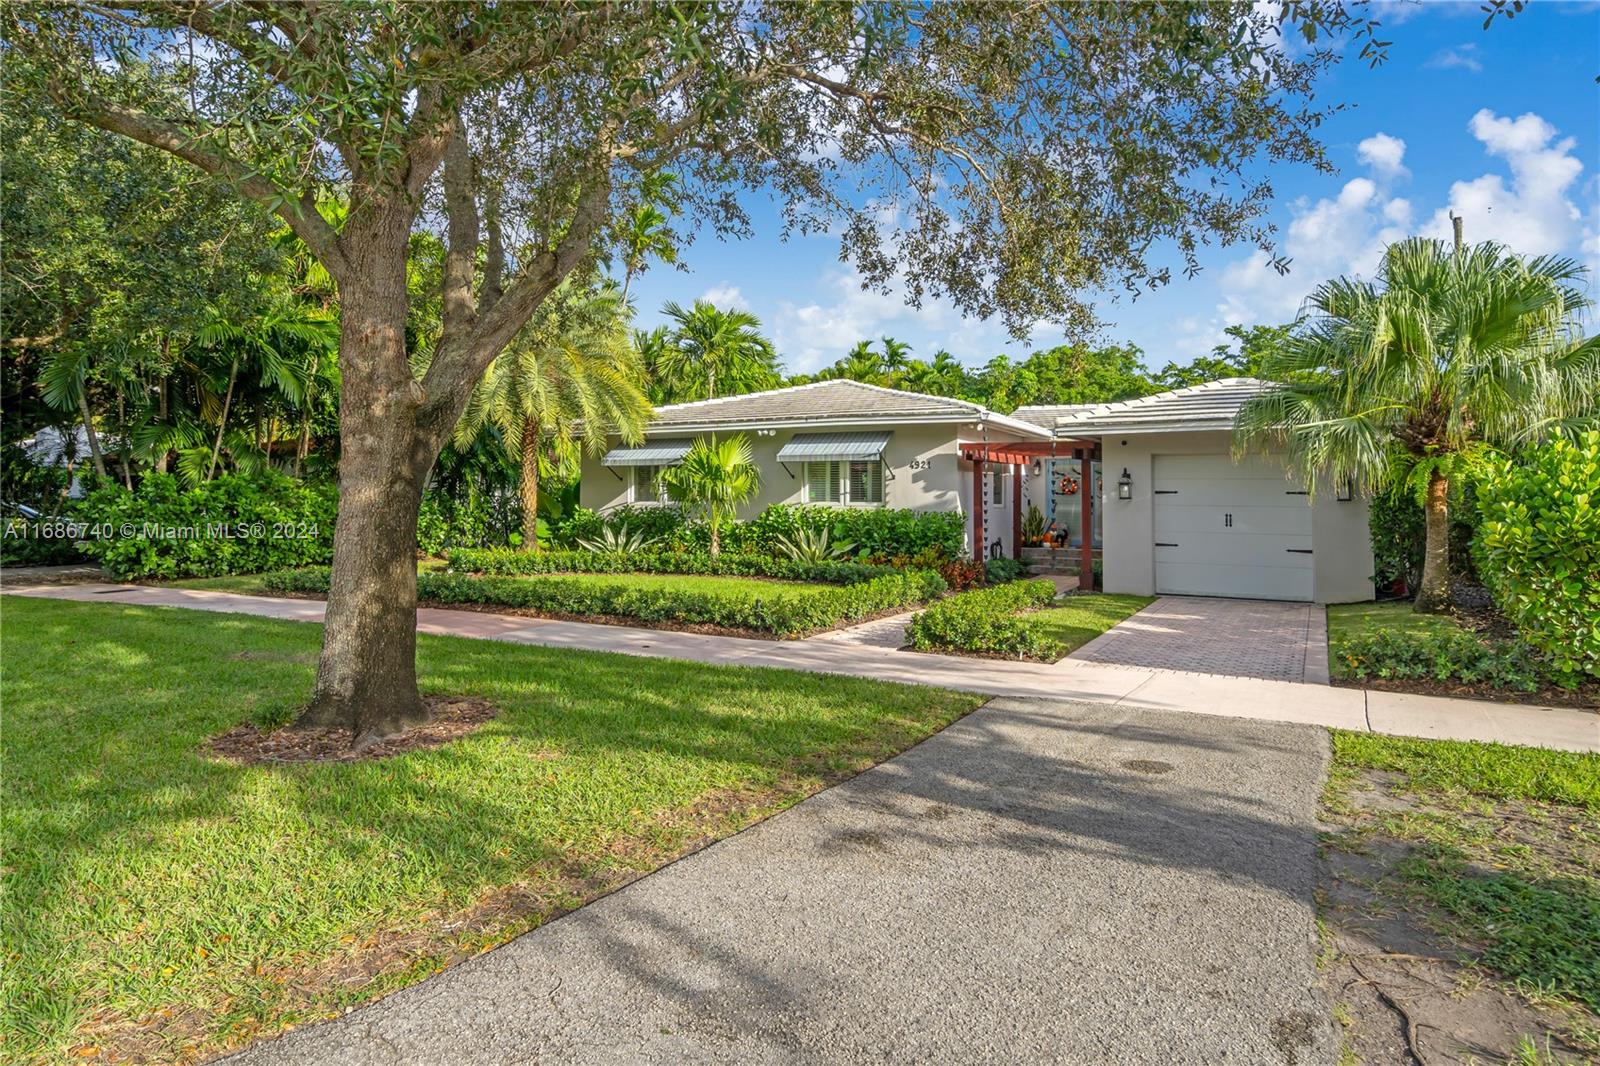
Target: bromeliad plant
[(1406, 380), (713, 479)]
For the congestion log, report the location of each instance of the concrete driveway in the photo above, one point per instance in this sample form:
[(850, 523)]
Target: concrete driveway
[(1041, 882), (1237, 638)]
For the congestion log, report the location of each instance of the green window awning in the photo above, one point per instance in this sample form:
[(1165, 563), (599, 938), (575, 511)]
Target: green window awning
[(650, 453), (826, 447)]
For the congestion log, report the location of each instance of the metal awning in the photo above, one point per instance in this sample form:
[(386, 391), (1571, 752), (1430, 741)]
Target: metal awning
[(824, 447), (650, 453)]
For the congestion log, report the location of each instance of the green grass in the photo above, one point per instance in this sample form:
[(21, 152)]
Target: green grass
[(1503, 845), (1082, 618), (248, 584), (1348, 620), (1491, 771), (142, 876)]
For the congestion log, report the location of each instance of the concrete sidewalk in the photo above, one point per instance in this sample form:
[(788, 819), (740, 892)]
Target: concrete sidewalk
[(1134, 688), (1040, 882)]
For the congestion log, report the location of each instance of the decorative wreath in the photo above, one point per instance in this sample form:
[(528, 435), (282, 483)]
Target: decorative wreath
[(1069, 486)]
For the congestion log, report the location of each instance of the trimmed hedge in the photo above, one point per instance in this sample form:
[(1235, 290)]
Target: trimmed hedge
[(987, 621), (501, 561), (783, 615), (235, 524), (1538, 550), (1443, 655), (929, 537)]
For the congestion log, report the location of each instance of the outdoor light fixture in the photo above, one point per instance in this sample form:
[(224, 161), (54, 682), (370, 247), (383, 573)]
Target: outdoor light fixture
[(1125, 485), (1345, 492), (1036, 468)]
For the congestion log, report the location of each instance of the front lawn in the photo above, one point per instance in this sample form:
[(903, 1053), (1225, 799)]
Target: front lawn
[(1463, 882), (1081, 618), (161, 903), (1350, 620)]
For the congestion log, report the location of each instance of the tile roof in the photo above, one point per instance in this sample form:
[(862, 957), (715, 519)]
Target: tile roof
[(1046, 414), (1213, 405), (838, 400)]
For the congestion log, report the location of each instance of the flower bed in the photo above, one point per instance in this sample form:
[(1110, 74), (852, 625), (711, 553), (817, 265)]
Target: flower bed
[(505, 562), (785, 614), (987, 622)]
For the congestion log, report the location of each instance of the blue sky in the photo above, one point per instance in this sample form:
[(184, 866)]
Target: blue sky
[(1500, 125)]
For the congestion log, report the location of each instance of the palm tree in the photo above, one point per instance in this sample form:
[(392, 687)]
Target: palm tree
[(1403, 381), (572, 376), (648, 229), (896, 357), (714, 478), (713, 353)]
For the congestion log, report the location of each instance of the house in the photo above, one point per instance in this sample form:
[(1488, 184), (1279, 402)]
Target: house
[(1168, 510)]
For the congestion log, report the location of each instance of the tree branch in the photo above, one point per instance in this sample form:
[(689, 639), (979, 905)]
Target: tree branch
[(461, 248), (309, 226)]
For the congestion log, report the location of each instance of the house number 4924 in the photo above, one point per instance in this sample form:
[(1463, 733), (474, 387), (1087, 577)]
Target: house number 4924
[(921, 464)]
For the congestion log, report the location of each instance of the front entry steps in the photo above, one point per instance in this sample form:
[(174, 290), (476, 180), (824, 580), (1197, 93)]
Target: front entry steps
[(1053, 562)]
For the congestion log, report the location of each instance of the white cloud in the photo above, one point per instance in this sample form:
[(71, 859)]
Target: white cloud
[(1384, 154), (1533, 213), (1462, 57), (811, 336), (727, 297)]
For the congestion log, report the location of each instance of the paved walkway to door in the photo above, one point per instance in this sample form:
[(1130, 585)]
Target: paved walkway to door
[(1237, 638), (1041, 882)]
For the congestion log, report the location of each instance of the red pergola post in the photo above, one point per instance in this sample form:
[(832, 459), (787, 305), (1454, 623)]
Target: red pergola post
[(1016, 510), (1086, 560), (977, 509)]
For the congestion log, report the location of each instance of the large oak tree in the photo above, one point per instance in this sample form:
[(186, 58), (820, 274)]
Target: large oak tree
[(1033, 153)]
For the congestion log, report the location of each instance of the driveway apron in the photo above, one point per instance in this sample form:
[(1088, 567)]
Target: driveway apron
[(1041, 882), (1205, 635)]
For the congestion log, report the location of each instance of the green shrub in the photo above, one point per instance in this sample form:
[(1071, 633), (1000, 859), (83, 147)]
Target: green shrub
[(835, 572), (478, 521), (1444, 654), (784, 615), (235, 524), (1538, 550), (1398, 533), (987, 622), (999, 571)]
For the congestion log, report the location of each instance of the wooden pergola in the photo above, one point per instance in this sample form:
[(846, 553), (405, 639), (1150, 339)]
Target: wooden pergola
[(1017, 454)]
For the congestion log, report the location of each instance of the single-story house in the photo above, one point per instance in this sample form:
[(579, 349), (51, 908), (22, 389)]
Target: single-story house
[(1169, 510)]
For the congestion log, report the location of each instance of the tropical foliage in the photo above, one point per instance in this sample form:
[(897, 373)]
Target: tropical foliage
[(1538, 549), (708, 352), (1408, 378), (569, 378), (714, 478)]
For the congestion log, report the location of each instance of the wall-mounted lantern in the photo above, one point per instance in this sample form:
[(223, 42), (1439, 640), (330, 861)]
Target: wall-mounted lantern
[(1346, 491), (1125, 485), (1037, 466)]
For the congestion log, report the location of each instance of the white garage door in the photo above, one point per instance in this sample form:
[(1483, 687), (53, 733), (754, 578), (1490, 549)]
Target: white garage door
[(1226, 529)]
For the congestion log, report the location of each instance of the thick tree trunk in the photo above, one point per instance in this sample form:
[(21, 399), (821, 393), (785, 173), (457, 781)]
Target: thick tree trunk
[(366, 677), (528, 486), (1433, 596)]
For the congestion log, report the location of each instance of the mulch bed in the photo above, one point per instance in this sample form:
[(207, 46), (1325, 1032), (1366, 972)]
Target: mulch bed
[(1585, 697), (449, 718)]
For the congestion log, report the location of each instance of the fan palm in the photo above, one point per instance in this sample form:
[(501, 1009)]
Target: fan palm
[(714, 478), (711, 352), (570, 378), (1402, 381)]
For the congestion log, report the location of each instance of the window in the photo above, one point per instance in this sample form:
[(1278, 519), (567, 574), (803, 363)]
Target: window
[(866, 481), (822, 483), (647, 485), (852, 481), (997, 488)]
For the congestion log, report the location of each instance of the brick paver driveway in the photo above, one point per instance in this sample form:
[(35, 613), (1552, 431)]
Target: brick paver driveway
[(1240, 638)]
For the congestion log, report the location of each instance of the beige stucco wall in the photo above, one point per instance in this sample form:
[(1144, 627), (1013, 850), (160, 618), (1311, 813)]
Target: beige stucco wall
[(1342, 569), (923, 471)]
